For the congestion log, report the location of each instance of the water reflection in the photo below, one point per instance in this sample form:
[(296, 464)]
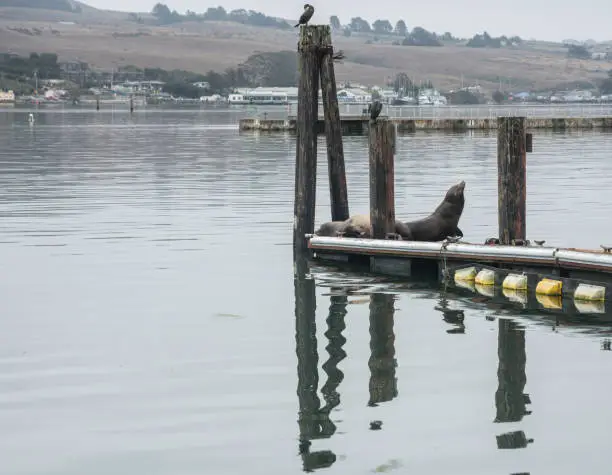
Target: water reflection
[(382, 362), (335, 326), (314, 422), (451, 316), (510, 400)]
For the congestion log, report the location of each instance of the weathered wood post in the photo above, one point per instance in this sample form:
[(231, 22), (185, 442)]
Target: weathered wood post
[(382, 180), (309, 50), (511, 178), (131, 104), (97, 103), (333, 132)]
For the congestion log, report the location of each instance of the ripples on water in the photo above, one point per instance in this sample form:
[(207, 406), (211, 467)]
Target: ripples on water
[(149, 317)]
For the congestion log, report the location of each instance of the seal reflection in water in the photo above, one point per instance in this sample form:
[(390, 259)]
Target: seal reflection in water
[(439, 225)]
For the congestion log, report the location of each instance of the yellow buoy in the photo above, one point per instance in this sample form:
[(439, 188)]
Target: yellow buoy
[(549, 287), (465, 275), (485, 277), (590, 292), (515, 282)]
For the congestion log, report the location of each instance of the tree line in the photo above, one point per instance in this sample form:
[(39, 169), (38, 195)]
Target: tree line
[(61, 5), (260, 69), (165, 16), (418, 36)]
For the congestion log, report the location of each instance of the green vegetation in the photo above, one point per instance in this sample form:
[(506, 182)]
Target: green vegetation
[(165, 16), (487, 41), (404, 86), (62, 5), (15, 67), (421, 37), (262, 69), (578, 51)]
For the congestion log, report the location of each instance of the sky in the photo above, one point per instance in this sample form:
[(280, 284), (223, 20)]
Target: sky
[(539, 19)]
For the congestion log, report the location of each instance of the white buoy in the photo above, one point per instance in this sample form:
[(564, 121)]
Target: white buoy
[(31, 118)]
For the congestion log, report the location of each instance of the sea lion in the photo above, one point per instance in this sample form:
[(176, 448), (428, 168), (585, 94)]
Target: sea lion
[(359, 226), (306, 16), (444, 220), (331, 229), (356, 226), (439, 225)]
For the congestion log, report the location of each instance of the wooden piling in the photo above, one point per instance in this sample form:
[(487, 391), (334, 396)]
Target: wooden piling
[(97, 103), (382, 186), (131, 104), (309, 51), (511, 178), (333, 132)]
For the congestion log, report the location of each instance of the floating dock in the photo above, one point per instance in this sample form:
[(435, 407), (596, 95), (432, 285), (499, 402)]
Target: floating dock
[(550, 272), (358, 124)]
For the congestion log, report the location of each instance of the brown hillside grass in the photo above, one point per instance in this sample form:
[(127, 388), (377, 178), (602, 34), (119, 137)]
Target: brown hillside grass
[(107, 39)]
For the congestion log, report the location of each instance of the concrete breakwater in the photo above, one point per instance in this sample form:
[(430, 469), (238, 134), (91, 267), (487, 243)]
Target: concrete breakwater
[(359, 124)]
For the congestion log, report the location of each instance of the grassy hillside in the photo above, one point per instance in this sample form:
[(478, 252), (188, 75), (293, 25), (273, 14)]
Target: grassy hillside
[(106, 39)]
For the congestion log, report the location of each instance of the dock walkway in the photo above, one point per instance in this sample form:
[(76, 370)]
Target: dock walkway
[(411, 118)]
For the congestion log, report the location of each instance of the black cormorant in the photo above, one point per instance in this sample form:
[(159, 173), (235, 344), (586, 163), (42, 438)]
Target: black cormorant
[(306, 16), (375, 110)]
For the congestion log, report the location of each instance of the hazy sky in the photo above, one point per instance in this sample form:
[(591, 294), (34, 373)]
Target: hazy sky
[(541, 19)]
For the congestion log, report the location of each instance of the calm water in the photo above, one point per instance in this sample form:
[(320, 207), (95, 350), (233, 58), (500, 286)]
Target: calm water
[(149, 326)]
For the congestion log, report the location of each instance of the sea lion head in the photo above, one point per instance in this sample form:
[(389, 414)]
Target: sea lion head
[(455, 194)]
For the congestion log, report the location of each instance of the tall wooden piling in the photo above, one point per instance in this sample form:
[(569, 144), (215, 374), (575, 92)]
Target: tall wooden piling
[(382, 179), (97, 103), (131, 104), (511, 178), (333, 132), (309, 51)]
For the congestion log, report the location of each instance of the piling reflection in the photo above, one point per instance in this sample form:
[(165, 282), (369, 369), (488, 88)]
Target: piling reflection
[(451, 316), (510, 400), (382, 362), (335, 327), (313, 420)]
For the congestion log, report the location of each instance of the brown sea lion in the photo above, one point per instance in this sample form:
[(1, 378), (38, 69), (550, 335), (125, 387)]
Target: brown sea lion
[(359, 226), (331, 229), (443, 222), (439, 225)]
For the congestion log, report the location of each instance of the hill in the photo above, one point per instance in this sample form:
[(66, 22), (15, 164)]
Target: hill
[(107, 39)]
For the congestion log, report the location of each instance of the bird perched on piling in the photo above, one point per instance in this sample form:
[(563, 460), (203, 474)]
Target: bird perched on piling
[(306, 16), (374, 109)]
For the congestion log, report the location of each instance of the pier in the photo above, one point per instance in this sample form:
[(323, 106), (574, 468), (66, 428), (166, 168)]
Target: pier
[(506, 263), (354, 120)]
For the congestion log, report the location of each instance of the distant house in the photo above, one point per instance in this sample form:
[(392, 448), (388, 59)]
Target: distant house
[(599, 55), (202, 85)]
